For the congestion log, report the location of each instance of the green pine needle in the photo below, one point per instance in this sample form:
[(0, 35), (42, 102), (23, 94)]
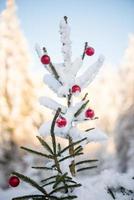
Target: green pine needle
[(70, 156), (78, 147), (59, 180), (31, 182), (79, 150), (81, 109), (86, 168), (73, 144), (85, 161), (26, 197), (52, 130), (52, 177), (36, 152), (68, 197), (44, 144), (111, 193), (44, 168), (49, 178), (63, 187), (49, 183)]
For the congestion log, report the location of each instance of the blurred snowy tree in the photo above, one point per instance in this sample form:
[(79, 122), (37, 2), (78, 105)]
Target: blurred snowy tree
[(18, 101), (115, 88), (108, 100), (124, 140), (127, 76), (124, 133)]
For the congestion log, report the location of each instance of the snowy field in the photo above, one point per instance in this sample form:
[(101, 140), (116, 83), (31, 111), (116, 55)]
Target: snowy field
[(94, 187)]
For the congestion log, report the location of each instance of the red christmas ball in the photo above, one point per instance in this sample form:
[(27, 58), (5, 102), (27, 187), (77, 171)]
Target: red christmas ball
[(90, 51), (89, 113), (76, 88), (14, 181), (45, 59), (61, 122)]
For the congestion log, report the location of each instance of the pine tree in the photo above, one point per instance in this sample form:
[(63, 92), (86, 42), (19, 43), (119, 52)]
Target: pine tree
[(18, 107), (63, 161), (126, 75), (124, 137)]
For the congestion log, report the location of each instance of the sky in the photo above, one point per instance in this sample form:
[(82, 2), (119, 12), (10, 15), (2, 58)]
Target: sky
[(105, 24)]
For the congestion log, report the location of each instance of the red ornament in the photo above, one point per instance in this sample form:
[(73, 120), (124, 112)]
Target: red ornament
[(76, 88), (45, 59), (90, 51), (14, 181), (61, 122), (89, 113)]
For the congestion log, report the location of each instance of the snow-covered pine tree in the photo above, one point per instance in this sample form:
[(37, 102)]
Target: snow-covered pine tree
[(124, 136), (62, 162), (18, 104)]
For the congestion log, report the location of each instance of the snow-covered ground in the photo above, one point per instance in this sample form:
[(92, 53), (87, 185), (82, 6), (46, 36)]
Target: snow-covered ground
[(94, 187)]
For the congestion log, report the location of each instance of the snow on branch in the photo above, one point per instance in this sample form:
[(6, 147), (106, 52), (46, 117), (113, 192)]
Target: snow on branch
[(50, 103), (94, 135), (88, 76), (51, 68), (38, 50), (76, 66), (52, 82), (83, 55), (69, 116), (45, 129), (65, 39)]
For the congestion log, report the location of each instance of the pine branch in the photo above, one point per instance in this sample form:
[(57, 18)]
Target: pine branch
[(26, 197), (44, 144), (70, 181), (79, 150), (95, 118), (73, 144), (65, 18), (84, 98), (67, 157), (45, 180), (125, 191), (59, 149), (54, 140), (71, 152), (55, 73), (83, 55), (68, 178), (49, 178), (52, 130), (111, 193), (62, 187), (37, 152), (49, 183), (31, 182), (43, 168), (68, 197), (64, 180), (81, 109), (69, 98), (86, 168), (78, 147), (59, 180), (70, 156), (85, 161), (90, 129)]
